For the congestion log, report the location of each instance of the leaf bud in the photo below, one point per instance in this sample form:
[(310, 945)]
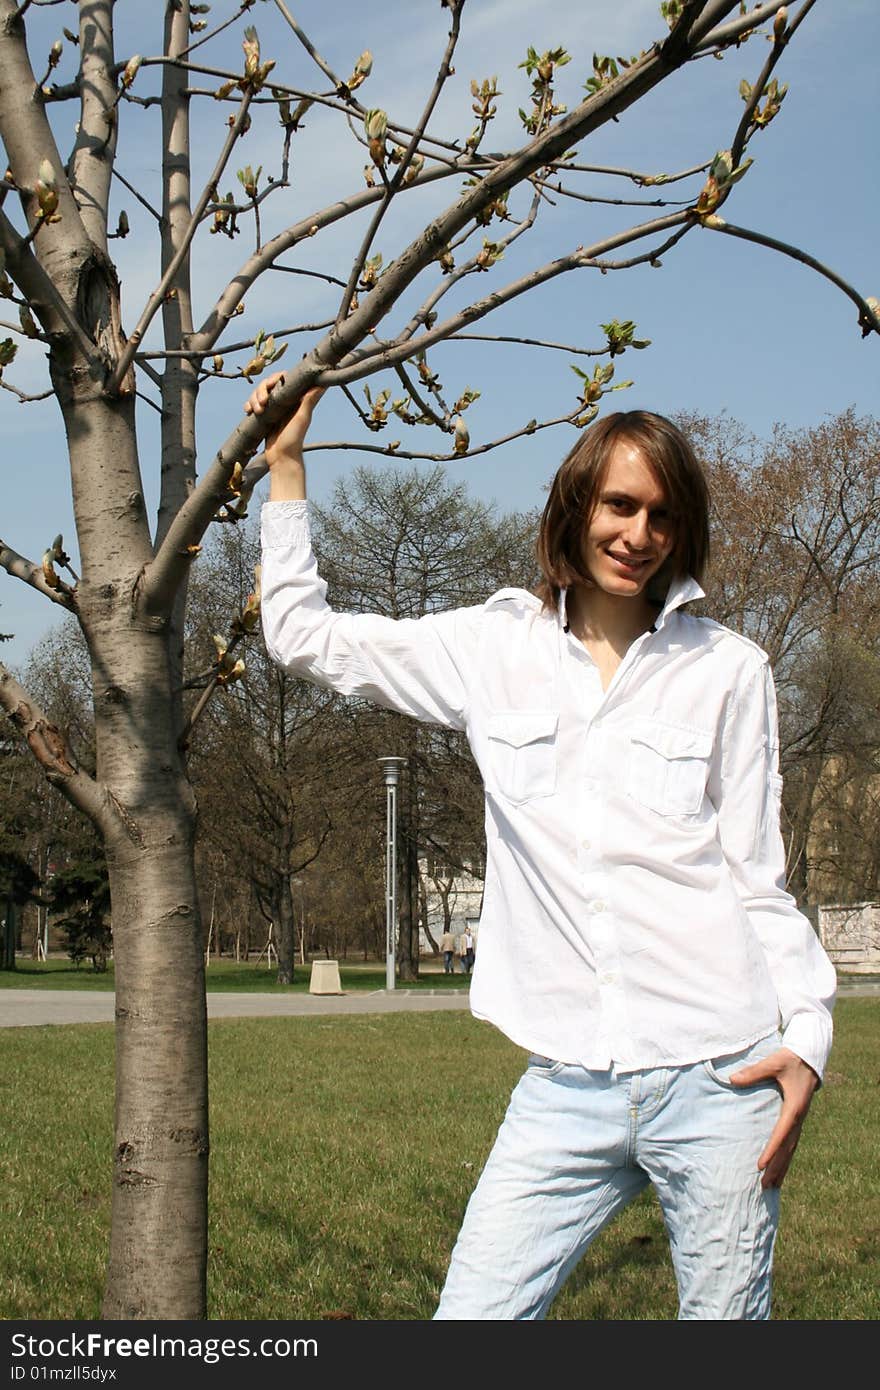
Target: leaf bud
[(376, 125), (130, 71), (251, 46), (49, 574), (416, 165), (28, 326), (462, 437), (254, 367)]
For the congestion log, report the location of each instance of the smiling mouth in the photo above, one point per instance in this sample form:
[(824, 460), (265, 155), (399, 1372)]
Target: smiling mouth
[(628, 562)]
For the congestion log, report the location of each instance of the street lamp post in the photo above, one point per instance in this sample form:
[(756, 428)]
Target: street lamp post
[(391, 770)]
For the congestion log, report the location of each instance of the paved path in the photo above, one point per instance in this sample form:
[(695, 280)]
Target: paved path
[(21, 1007)]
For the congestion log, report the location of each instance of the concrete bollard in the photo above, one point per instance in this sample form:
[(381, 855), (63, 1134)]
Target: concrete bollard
[(325, 977)]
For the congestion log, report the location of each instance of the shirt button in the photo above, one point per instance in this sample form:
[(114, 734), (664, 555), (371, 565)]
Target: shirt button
[(597, 906), (587, 844), (607, 979)]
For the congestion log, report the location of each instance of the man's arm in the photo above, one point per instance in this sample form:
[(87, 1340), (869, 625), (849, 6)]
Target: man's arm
[(418, 666), (746, 789)]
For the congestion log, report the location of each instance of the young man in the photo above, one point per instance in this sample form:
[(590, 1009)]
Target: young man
[(447, 947), (467, 950), (636, 936)]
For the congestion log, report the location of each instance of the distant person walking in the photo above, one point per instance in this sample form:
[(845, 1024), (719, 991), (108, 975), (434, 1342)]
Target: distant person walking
[(468, 953), (447, 946)]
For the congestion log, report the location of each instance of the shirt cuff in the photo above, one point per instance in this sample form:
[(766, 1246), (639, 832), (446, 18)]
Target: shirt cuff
[(809, 1036), (284, 524)]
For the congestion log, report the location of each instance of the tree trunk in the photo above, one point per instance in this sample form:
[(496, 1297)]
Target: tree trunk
[(158, 1244), (423, 908), (803, 785), (285, 928), (9, 934), (408, 941)]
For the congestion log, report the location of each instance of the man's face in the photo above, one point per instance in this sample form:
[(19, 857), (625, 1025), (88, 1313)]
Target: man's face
[(631, 531)]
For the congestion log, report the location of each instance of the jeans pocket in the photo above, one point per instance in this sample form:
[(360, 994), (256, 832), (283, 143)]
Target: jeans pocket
[(723, 1067), (544, 1066)]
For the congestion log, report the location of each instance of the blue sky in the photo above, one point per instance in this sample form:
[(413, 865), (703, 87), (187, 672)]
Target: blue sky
[(733, 327)]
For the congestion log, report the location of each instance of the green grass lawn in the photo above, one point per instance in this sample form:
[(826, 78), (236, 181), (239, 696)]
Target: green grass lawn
[(228, 976), (343, 1152)]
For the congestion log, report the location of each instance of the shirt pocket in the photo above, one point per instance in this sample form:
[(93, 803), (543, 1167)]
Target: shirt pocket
[(522, 753), (668, 767)]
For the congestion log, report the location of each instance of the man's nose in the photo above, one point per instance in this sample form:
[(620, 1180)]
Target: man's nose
[(638, 532)]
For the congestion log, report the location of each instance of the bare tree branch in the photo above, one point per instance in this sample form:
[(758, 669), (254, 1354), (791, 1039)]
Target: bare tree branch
[(28, 141), (366, 360), (526, 342), (156, 298), (558, 187), (706, 35), (634, 175), (91, 164), (244, 6), (309, 46), (225, 306), (133, 191), (51, 750), (424, 406), (256, 470), (467, 268), (169, 565), (781, 37), (225, 348), (23, 395), (405, 162), (32, 574), (869, 322)]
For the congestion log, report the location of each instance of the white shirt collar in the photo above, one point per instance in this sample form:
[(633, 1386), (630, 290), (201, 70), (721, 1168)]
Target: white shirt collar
[(681, 591)]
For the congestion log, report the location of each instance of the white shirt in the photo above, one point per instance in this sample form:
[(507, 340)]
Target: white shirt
[(634, 911)]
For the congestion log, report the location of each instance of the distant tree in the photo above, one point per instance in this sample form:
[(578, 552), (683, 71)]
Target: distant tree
[(19, 884), (81, 898), (405, 542), (797, 568), (267, 764)]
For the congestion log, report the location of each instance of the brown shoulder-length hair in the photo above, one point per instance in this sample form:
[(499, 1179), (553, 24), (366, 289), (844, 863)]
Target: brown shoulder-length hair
[(575, 489)]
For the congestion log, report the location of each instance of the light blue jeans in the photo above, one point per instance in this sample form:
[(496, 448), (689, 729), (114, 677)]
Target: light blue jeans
[(576, 1146)]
